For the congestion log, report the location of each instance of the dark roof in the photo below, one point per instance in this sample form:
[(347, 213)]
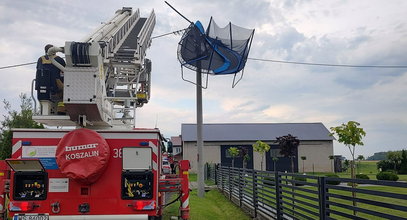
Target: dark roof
[(176, 141), (256, 131)]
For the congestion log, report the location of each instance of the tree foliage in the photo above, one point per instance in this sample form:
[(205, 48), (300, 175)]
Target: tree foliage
[(288, 147), (15, 119), (395, 158), (261, 148), (377, 156), (349, 134), (403, 164)]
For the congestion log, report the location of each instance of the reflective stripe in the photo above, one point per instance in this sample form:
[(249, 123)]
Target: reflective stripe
[(153, 147), (185, 204), (17, 150), (155, 151), (155, 165), (44, 60)]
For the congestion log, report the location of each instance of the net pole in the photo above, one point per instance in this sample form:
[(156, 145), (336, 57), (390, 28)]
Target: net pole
[(199, 139)]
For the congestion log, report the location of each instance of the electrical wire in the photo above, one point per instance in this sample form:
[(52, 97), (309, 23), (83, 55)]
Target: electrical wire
[(17, 65), (327, 64), (174, 32), (264, 60)]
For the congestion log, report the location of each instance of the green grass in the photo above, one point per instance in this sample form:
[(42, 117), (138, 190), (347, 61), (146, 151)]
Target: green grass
[(192, 177), (361, 205), (366, 167), (213, 206)]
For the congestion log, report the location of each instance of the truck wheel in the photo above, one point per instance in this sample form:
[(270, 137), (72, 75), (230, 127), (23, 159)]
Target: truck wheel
[(154, 217)]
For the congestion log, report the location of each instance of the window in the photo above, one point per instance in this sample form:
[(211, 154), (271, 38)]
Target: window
[(275, 153)]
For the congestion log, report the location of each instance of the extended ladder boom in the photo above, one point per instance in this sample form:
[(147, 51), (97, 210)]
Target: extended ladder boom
[(106, 75)]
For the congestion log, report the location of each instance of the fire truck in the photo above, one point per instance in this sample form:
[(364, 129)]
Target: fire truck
[(91, 162)]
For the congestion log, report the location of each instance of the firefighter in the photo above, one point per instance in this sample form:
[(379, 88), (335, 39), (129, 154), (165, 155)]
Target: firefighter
[(49, 79)]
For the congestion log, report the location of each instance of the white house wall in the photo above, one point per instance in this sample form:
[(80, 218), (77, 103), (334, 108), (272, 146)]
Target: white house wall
[(317, 153), (211, 154)]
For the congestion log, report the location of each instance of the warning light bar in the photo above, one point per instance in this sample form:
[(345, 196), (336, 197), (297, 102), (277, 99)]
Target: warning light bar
[(21, 206)]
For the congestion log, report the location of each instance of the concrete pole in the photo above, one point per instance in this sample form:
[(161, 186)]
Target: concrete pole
[(199, 139)]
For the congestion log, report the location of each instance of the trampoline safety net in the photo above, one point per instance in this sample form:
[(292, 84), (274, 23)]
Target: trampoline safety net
[(217, 51)]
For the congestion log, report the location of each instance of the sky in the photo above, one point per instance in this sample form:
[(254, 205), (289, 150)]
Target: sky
[(363, 32)]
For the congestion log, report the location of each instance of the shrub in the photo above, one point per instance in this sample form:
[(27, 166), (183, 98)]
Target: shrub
[(362, 176), (385, 165), (387, 176), (299, 178), (333, 182)]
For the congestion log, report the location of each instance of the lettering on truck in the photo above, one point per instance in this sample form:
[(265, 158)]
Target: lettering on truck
[(80, 155)]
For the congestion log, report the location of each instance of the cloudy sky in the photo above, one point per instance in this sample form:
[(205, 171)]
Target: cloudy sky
[(363, 32)]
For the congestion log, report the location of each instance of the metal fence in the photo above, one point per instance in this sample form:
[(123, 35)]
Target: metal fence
[(210, 171), (278, 195)]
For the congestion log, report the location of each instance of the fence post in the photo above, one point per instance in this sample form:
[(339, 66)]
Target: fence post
[(230, 186), (222, 177), (322, 197), (278, 195), (216, 166), (254, 192), (240, 186)]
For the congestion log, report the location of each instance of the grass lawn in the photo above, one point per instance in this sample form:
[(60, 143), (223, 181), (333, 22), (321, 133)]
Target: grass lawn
[(213, 206), (193, 177), (366, 167), (361, 205)]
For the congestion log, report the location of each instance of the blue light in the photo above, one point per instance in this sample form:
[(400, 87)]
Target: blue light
[(26, 143), (144, 143)]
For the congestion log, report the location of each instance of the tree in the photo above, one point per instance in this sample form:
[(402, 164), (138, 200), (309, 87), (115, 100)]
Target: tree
[(288, 146), (350, 135), (233, 152), (360, 158), (403, 164), (15, 119), (303, 158), (261, 148), (394, 157), (346, 165), (331, 158)]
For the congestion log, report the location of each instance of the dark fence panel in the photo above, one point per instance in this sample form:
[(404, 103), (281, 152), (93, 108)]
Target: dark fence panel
[(279, 195)]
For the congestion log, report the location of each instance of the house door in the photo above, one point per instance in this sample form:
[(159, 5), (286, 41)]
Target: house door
[(226, 159)]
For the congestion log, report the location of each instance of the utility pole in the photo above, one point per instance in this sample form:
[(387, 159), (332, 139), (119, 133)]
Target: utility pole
[(199, 139)]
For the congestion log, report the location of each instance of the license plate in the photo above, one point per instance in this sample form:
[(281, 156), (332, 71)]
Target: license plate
[(31, 217)]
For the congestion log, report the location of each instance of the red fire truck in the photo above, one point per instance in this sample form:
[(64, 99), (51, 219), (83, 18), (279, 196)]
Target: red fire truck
[(102, 167)]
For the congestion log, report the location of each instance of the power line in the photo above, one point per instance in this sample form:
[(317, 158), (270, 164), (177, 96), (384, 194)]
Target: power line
[(264, 60), (154, 37), (327, 64), (174, 32), (17, 65)]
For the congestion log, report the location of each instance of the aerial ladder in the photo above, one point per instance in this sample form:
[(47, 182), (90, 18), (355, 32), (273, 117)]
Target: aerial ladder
[(107, 75)]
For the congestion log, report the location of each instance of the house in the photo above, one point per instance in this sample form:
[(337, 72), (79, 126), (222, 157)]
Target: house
[(176, 147), (316, 145)]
